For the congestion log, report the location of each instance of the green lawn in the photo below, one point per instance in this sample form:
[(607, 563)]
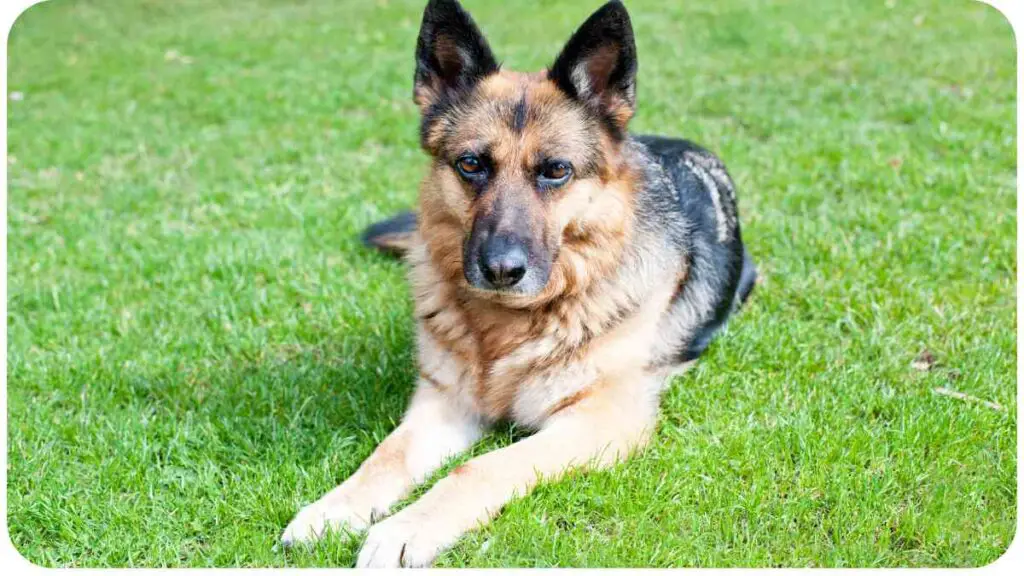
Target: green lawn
[(197, 344)]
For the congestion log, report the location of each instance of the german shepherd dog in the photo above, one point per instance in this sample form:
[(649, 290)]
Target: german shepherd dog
[(562, 270)]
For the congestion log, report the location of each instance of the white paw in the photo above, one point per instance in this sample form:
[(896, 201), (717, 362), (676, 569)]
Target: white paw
[(314, 520), (403, 540)]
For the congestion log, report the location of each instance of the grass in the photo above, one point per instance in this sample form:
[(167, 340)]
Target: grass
[(197, 344)]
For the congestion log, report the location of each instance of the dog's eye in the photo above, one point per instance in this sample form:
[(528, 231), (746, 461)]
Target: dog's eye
[(469, 166), (555, 173)]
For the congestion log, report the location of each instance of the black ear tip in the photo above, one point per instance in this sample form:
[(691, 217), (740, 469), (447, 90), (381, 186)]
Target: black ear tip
[(615, 7), (612, 16), (438, 10), (447, 6)]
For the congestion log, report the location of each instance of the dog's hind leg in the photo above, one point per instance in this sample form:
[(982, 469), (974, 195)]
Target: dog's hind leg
[(432, 430), (595, 432)]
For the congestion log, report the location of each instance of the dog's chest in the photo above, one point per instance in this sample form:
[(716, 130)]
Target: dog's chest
[(501, 368), (528, 368)]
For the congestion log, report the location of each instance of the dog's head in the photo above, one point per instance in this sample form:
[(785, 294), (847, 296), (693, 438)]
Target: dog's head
[(527, 197)]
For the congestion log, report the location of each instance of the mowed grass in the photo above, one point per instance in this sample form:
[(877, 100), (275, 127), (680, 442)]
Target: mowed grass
[(198, 344)]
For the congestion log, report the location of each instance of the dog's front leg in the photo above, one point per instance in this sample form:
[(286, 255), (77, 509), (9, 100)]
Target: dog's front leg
[(597, 431), (433, 429)]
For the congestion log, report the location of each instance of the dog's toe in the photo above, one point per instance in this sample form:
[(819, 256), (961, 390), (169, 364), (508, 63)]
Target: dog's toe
[(399, 542), (313, 521)]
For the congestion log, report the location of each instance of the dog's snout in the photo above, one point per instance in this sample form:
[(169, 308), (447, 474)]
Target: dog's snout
[(503, 261)]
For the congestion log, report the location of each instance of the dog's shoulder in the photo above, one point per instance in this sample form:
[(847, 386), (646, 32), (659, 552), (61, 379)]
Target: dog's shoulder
[(701, 187)]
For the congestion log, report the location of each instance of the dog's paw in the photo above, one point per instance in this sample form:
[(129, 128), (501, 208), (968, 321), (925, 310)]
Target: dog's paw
[(314, 520), (403, 540)]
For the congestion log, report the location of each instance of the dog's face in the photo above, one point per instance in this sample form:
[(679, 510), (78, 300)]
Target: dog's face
[(527, 182)]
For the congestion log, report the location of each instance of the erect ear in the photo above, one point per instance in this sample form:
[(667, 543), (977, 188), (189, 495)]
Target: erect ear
[(451, 53), (598, 65)]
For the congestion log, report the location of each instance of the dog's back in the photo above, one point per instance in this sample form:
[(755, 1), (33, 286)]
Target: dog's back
[(720, 274)]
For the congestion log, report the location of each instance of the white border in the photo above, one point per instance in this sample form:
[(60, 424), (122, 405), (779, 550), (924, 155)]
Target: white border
[(1012, 10)]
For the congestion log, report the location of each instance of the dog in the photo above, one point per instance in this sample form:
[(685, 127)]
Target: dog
[(562, 271)]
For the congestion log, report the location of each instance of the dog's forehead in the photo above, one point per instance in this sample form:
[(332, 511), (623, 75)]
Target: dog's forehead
[(510, 83), (518, 114)]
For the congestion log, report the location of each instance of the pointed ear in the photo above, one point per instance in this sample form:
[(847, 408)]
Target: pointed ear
[(451, 53), (598, 65)]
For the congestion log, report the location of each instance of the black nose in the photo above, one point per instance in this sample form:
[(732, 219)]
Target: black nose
[(503, 261)]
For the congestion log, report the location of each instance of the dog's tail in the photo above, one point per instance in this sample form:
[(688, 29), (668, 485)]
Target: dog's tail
[(748, 279), (393, 236)]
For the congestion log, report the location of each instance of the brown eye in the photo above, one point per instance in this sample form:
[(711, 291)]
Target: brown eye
[(555, 173), (469, 166)]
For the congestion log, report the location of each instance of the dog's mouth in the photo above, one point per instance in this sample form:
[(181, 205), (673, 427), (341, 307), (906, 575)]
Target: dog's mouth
[(507, 299), (506, 286)]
